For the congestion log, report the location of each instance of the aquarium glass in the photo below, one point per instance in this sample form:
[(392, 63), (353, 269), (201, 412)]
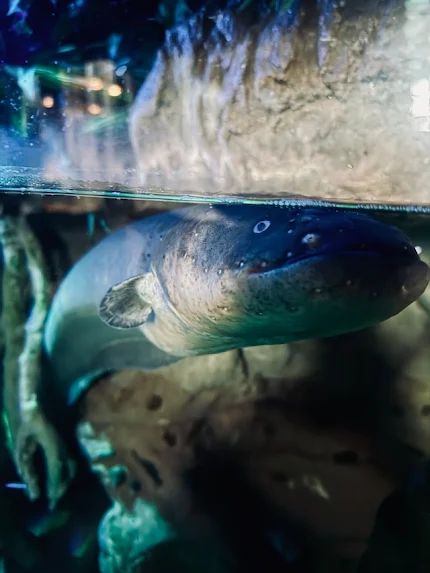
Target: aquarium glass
[(214, 308)]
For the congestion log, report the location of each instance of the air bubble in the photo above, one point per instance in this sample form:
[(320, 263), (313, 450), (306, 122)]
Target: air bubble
[(312, 240), (242, 264), (220, 271)]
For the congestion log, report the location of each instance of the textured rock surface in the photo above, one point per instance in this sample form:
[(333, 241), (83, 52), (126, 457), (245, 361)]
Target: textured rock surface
[(329, 101), (325, 99)]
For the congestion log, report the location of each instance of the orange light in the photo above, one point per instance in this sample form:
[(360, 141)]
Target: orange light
[(114, 90), (95, 84), (48, 102), (94, 109)]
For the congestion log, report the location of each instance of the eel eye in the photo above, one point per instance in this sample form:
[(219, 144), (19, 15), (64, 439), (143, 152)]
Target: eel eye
[(261, 226)]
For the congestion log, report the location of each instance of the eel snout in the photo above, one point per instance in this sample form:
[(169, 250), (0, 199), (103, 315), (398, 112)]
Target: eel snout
[(413, 279)]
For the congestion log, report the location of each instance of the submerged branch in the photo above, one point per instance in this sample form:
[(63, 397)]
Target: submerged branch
[(30, 357), (15, 277), (27, 427)]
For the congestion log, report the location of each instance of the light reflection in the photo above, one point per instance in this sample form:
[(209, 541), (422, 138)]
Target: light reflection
[(48, 102), (94, 109), (121, 71), (95, 84), (114, 90), (420, 108), (315, 485), (420, 88)]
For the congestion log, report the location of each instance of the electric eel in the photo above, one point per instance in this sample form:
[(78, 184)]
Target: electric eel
[(207, 279)]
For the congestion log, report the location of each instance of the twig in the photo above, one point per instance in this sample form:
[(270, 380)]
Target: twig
[(26, 425)]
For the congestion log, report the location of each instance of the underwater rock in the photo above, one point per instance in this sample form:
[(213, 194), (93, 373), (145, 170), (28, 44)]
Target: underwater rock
[(73, 205), (325, 100), (399, 540), (403, 344), (125, 536), (318, 475), (95, 447)]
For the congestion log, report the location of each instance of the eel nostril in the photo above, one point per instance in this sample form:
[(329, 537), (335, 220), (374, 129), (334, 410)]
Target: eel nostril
[(312, 241)]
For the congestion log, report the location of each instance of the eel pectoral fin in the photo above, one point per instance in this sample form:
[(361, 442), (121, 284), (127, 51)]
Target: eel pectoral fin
[(126, 305)]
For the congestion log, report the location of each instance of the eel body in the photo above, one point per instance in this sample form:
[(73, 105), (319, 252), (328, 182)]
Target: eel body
[(203, 280)]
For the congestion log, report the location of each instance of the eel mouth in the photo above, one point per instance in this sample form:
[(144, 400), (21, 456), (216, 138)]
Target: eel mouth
[(407, 276), (402, 257)]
